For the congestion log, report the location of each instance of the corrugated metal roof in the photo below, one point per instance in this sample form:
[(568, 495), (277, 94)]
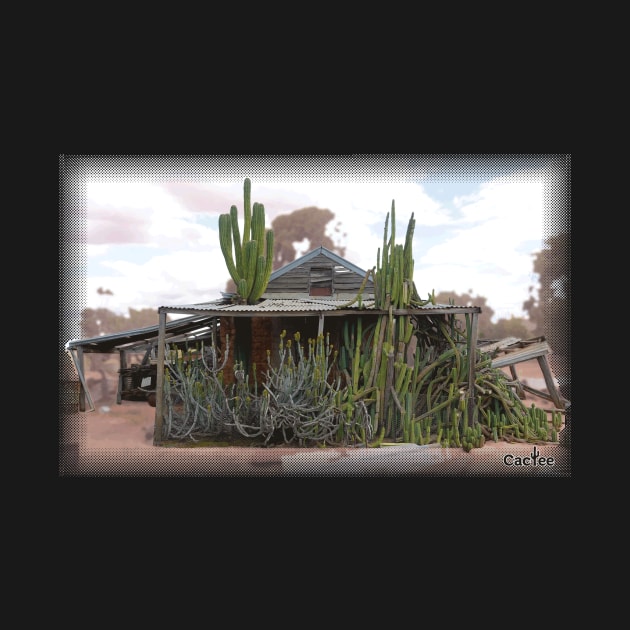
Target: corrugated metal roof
[(272, 305), (315, 305), (109, 343), (198, 325)]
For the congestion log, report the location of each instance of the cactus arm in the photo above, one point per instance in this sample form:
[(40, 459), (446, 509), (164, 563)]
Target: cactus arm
[(225, 240), (269, 256), (247, 209), (251, 261), (393, 218), (238, 253), (259, 281), (242, 288), (263, 270), (258, 227), (408, 251)]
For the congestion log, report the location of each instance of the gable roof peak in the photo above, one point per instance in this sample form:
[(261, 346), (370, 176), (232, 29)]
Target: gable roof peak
[(321, 250)]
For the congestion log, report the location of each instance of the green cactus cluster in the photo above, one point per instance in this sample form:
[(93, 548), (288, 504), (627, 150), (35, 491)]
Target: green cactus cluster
[(309, 397), (375, 360), (249, 258), (368, 390)]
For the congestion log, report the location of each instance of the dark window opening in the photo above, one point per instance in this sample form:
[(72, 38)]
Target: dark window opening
[(243, 342), (321, 281)]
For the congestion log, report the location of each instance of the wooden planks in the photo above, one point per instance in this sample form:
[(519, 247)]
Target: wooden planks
[(521, 354), (517, 351)]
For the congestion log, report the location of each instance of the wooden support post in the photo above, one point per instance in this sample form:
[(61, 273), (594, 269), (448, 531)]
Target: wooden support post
[(81, 371), (538, 351), (123, 365), (472, 364), (79, 364), (551, 386), (519, 388), (159, 383)]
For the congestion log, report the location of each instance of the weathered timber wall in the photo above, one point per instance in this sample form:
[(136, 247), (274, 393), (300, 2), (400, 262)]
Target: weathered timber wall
[(298, 280)]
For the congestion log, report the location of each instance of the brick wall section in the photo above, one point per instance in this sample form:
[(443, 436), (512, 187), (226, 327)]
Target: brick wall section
[(265, 335), (227, 327), (262, 339)]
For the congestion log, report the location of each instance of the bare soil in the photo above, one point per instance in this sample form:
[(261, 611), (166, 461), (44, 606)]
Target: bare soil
[(118, 438)]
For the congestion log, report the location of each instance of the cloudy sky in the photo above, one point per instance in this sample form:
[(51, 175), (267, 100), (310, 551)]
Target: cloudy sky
[(155, 243)]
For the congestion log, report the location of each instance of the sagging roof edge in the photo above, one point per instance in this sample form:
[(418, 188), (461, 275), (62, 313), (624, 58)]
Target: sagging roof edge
[(148, 332), (201, 315)]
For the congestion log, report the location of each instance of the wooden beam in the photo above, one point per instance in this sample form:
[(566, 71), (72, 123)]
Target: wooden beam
[(502, 343), (123, 364), (159, 383), (519, 386), (522, 354), (77, 358), (538, 351), (551, 386), (83, 390), (472, 363), (320, 325)]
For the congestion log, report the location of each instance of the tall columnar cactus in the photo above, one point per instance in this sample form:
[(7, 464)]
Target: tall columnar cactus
[(249, 259), (394, 290)]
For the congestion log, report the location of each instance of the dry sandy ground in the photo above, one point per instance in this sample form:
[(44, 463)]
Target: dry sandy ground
[(117, 440)]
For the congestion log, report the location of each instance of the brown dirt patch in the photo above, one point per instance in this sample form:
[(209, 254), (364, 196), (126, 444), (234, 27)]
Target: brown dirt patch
[(122, 434)]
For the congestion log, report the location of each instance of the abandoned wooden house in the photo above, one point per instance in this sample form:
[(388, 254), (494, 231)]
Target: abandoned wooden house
[(315, 294)]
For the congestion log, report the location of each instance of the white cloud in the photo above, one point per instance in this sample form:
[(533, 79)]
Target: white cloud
[(490, 252), (510, 210), (182, 277), (157, 244), (362, 208)]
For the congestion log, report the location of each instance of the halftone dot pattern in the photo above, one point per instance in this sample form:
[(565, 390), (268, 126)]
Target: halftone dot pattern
[(72, 267), (403, 461), (77, 170), (408, 460), (171, 462), (557, 201)]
